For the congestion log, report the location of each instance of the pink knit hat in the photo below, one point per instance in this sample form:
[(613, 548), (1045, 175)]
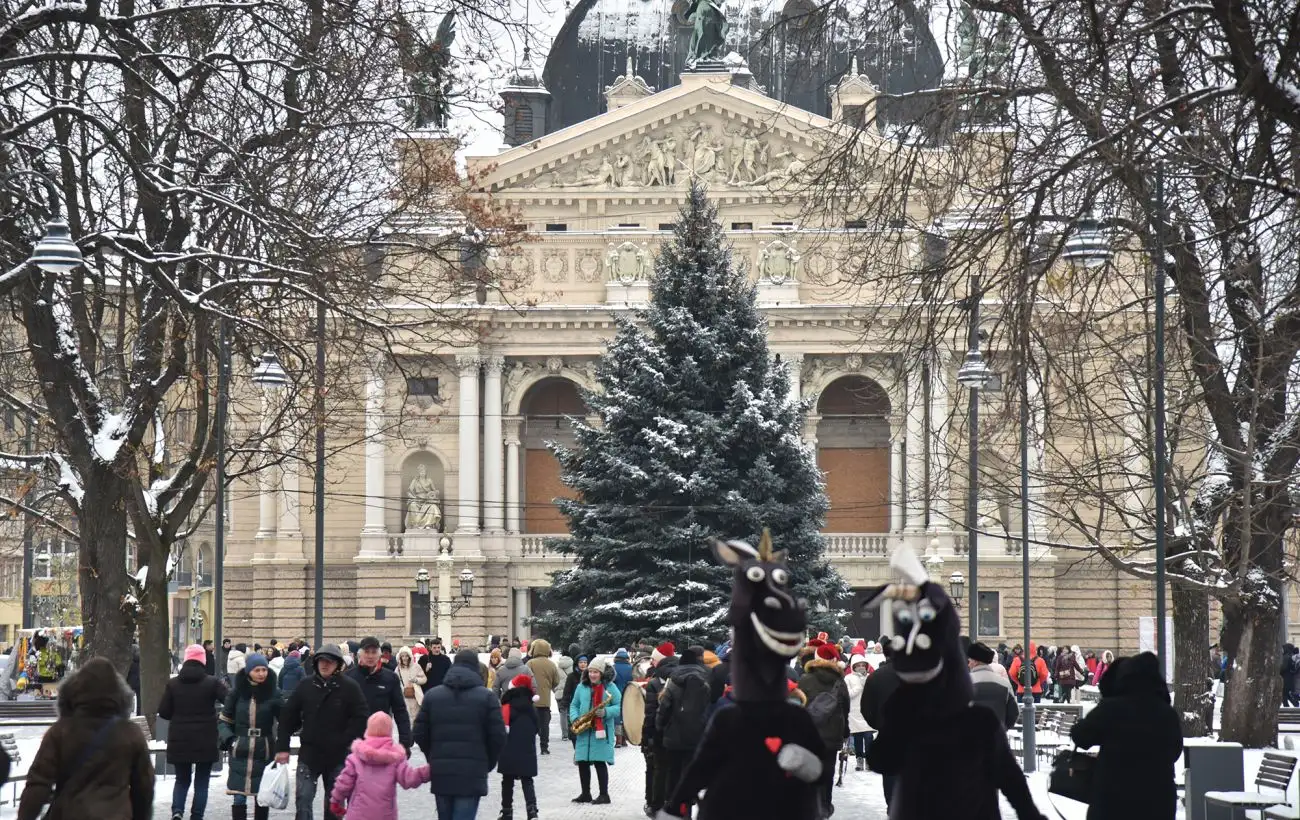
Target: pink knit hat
[(196, 652), (379, 725)]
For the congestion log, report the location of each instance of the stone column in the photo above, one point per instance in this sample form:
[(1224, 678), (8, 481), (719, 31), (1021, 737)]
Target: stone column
[(467, 502), (266, 501), (941, 457), (290, 502), (375, 452), (810, 423), (794, 365), (493, 479), (914, 445), (522, 612), (512, 474), (896, 491)]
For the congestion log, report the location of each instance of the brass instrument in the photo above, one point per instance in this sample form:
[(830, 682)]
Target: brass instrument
[(587, 719)]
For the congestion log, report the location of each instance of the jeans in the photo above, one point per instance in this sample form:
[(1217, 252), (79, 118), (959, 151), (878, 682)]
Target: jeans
[(862, 743), (456, 807), (564, 719), (200, 774), (544, 727), (305, 791)]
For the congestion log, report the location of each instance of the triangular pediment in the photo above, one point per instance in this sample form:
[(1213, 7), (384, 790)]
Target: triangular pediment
[(728, 137)]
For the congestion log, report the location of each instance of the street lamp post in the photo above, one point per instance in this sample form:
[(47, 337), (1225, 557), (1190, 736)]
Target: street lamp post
[(223, 399), (445, 606), (319, 623), (1158, 462), (974, 375)]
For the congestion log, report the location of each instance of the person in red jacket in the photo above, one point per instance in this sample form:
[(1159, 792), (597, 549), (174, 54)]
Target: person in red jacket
[(1040, 677)]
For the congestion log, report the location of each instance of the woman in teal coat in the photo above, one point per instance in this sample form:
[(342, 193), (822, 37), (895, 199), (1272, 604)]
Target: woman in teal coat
[(247, 729), (594, 746)]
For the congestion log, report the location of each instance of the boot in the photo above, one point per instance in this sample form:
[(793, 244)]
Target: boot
[(602, 799), (585, 797), (506, 814), (862, 764), (532, 812), (239, 812), (262, 813)]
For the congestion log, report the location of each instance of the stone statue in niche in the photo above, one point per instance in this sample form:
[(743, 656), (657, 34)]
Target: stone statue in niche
[(777, 262), (423, 510)]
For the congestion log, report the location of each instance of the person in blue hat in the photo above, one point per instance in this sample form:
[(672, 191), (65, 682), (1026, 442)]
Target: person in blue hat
[(247, 730)]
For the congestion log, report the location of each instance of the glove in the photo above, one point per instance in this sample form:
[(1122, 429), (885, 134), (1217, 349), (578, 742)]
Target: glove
[(600, 712), (337, 810), (799, 762)]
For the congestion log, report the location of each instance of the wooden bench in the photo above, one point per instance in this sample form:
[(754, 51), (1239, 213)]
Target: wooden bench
[(1288, 720), (1274, 775), (28, 712), (1055, 734)]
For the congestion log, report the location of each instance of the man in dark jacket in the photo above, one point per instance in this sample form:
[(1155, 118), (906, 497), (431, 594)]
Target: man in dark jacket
[(210, 658), (460, 730), (822, 683), (435, 664), (720, 675), (386, 656), (331, 711), (679, 716), (382, 688), (664, 660), (882, 684), (991, 689)]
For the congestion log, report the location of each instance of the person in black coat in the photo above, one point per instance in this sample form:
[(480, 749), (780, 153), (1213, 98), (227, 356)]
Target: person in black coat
[(879, 687), (209, 658), (720, 675), (462, 734), (436, 665), (331, 711), (189, 705), (1140, 739), (382, 688), (133, 677), (519, 757)]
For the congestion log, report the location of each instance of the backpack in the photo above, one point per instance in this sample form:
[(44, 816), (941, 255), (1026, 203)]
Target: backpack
[(829, 720), (690, 709), (1030, 668)]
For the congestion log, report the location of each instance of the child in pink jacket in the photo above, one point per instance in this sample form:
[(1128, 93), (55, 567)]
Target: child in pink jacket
[(368, 782)]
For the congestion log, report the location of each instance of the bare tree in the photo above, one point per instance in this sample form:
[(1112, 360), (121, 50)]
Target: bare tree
[(1058, 111), (220, 165)]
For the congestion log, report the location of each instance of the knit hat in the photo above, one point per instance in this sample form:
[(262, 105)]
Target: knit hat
[(828, 652), (515, 654), (522, 681), (196, 652), (419, 649), (255, 660), (466, 657), (621, 655), (980, 652), (379, 725), (598, 665), (663, 650)]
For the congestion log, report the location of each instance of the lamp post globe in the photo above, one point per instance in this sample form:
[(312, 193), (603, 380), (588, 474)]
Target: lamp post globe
[(466, 584), (1088, 244), (268, 373), (422, 581), (974, 374), (56, 252), (957, 585)]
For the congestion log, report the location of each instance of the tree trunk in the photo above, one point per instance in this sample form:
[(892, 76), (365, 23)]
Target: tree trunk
[(155, 659), (1254, 688), (1192, 697), (106, 616)]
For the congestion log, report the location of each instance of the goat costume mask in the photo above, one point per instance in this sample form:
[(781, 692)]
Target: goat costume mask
[(951, 757), (760, 757)]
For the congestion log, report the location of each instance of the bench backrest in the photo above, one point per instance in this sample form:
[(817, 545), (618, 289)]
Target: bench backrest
[(1275, 772), (143, 723)]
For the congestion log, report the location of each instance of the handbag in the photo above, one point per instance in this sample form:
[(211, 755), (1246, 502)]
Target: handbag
[(408, 691), (1072, 773)]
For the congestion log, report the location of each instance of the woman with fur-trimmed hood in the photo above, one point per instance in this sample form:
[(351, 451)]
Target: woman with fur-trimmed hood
[(98, 760)]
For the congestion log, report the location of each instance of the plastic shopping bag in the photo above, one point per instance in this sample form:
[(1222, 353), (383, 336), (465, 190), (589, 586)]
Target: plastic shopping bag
[(274, 791)]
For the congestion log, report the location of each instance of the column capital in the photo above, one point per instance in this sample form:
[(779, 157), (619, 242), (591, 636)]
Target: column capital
[(493, 364), (468, 363), (510, 425)]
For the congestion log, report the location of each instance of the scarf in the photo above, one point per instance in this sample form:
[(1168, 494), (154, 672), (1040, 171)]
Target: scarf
[(597, 698)]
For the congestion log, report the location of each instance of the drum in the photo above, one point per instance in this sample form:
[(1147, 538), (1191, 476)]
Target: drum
[(633, 712)]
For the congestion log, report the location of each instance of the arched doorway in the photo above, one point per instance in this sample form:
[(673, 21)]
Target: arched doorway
[(546, 409), (853, 452)]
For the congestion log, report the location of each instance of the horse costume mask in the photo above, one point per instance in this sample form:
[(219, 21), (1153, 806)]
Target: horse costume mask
[(761, 755)]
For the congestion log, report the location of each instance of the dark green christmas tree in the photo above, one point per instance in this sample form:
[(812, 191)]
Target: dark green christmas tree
[(697, 439)]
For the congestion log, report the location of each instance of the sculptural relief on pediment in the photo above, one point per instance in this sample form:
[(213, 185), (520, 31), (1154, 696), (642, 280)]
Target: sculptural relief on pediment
[(719, 155)]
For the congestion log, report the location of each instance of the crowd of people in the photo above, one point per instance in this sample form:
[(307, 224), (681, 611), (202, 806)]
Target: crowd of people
[(359, 708)]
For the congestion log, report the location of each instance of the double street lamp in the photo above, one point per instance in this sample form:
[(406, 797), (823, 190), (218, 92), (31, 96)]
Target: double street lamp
[(444, 606)]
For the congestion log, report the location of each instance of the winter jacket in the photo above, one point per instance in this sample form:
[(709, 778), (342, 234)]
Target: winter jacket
[(564, 663), (658, 677), (507, 672), (1040, 666), (683, 704), (331, 712), (292, 675), (519, 756), (460, 731), (247, 729), (823, 676), (546, 675), (587, 748), (210, 666), (234, 662), (855, 683), (719, 677), (413, 676), (1066, 668), (993, 691), (622, 674), (101, 759), (189, 705), (1140, 739), (383, 693), (435, 669), (369, 780), (880, 687)]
